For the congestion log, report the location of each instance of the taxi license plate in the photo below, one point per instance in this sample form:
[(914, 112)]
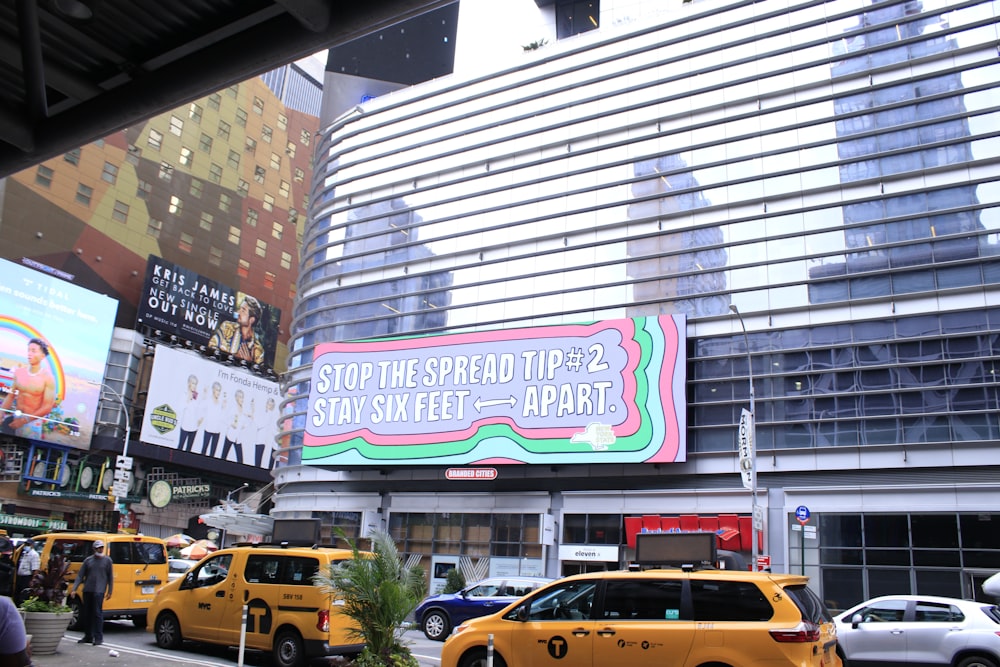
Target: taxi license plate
[(148, 590)]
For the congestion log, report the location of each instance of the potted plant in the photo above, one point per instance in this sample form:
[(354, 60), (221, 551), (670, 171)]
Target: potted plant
[(45, 613)]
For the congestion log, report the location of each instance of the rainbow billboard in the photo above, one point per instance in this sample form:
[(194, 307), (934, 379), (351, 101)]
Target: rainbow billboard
[(605, 392), (54, 341)]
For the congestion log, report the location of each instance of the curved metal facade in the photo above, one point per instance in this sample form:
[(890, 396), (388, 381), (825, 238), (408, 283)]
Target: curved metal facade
[(830, 168)]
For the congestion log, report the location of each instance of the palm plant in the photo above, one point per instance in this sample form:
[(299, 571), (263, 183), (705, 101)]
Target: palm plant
[(47, 589), (378, 592)]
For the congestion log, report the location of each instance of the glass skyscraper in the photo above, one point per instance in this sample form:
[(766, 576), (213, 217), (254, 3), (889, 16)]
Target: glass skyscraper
[(829, 168)]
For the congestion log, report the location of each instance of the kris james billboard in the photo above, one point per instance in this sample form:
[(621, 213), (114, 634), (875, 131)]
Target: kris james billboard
[(606, 392)]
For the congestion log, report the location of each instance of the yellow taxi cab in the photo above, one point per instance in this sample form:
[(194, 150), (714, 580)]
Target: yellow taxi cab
[(140, 568), (680, 617), (286, 614)]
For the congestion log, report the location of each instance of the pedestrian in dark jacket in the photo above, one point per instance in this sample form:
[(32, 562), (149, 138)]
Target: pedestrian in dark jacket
[(97, 577)]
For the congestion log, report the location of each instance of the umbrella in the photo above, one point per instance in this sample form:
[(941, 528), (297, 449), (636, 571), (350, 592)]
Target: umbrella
[(179, 540), (199, 549)]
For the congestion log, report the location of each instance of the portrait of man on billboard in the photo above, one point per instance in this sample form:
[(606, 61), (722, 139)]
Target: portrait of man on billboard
[(32, 395), (239, 337)]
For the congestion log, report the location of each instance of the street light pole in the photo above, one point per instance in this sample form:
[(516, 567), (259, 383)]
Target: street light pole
[(124, 462), (751, 437)]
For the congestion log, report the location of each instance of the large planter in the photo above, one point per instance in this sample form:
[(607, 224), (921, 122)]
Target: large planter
[(46, 630)]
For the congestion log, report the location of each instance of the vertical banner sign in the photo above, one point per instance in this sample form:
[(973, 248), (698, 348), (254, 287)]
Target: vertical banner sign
[(610, 392), (746, 446)]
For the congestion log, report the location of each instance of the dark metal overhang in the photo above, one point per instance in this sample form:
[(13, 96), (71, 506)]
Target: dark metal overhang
[(72, 71)]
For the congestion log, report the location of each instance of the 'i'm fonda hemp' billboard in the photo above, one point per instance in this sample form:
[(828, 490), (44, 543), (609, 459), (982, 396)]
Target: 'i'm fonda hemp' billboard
[(605, 392)]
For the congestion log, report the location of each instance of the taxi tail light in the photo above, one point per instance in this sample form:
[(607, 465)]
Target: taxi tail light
[(323, 620), (803, 633)]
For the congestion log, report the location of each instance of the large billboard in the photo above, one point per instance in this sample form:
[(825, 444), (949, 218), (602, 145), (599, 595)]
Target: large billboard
[(606, 392), (185, 303), (54, 341), (220, 411)]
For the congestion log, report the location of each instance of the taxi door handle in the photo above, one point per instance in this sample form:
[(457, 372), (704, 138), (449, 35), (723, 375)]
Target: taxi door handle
[(580, 632), (220, 594), (606, 632), (895, 632)]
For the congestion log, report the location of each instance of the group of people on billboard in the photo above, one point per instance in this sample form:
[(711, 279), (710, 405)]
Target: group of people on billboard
[(232, 428)]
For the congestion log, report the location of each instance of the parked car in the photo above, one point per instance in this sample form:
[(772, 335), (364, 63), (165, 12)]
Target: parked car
[(438, 614), (991, 586), (271, 583), (140, 569), (178, 566), (920, 629), (652, 618)]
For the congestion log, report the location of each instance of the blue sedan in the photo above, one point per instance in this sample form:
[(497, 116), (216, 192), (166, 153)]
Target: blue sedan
[(438, 614)]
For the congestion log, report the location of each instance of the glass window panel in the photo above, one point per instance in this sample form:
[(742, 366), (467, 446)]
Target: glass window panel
[(939, 582), (888, 582), (604, 529), (841, 557), (980, 530), (575, 528), (842, 587), (840, 530), (886, 530), (936, 558)]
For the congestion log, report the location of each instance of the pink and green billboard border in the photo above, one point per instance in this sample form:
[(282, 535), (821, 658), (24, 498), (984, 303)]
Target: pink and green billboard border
[(605, 392)]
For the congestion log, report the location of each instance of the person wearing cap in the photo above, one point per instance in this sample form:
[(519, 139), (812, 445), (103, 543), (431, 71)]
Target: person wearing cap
[(28, 563), (97, 577)]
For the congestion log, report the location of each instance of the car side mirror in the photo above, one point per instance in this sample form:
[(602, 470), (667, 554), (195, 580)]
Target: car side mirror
[(857, 620), (522, 613)]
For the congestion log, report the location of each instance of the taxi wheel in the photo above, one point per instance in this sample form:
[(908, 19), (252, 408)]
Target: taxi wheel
[(168, 631), (74, 623), (436, 625), (477, 658), (287, 650), (977, 661)]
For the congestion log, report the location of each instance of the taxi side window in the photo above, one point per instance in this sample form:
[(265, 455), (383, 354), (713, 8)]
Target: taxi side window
[(299, 571), (75, 551), (213, 571), (649, 600), (121, 553), (263, 569), (148, 553), (570, 601), (715, 600)]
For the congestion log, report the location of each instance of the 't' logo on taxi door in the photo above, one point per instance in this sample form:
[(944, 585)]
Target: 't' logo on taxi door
[(558, 647)]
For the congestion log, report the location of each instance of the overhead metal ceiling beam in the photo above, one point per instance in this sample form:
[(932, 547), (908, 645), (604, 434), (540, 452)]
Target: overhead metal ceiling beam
[(31, 59), (229, 60), (312, 14)]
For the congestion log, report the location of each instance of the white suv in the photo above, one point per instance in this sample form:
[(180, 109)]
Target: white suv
[(920, 629)]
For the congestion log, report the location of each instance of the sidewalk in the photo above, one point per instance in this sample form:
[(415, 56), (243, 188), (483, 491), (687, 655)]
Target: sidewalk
[(71, 654)]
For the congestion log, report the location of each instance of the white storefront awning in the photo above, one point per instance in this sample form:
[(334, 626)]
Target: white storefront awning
[(237, 519)]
